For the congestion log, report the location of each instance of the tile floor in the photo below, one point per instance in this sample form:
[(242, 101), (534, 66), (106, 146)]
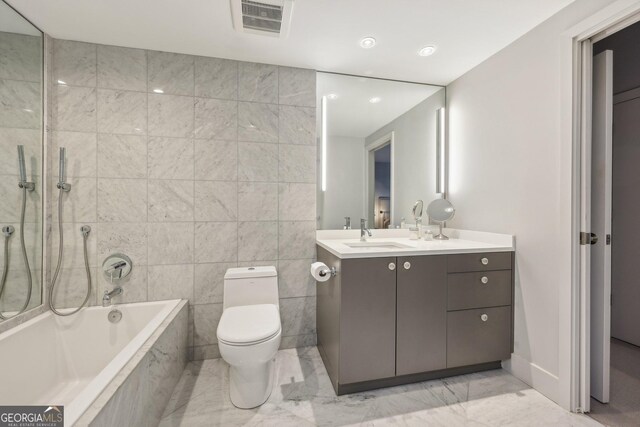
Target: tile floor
[(623, 408), (303, 396)]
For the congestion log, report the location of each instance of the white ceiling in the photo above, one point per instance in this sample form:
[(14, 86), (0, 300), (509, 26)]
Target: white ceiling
[(12, 22), (352, 115), (324, 34)]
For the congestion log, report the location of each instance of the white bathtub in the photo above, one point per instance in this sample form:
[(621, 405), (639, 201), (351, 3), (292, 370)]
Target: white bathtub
[(52, 360)]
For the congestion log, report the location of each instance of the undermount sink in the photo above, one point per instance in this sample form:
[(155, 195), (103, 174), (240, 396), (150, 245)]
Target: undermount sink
[(377, 245)]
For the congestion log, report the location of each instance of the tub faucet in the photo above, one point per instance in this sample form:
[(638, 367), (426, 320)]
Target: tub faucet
[(364, 230), (106, 298)]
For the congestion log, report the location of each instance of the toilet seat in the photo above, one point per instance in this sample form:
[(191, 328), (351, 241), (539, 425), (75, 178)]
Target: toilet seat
[(248, 324)]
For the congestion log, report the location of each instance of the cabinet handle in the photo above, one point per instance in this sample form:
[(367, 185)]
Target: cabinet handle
[(484, 261), (407, 265), (484, 280), (392, 266), (484, 317)]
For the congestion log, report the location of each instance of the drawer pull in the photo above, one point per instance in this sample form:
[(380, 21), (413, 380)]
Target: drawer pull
[(484, 317), (484, 280), (484, 261), (392, 266), (407, 265)]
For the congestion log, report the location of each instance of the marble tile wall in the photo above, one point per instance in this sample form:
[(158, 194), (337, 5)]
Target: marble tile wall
[(21, 124), (216, 171)]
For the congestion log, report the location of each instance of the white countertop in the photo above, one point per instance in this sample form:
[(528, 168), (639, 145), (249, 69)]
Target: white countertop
[(460, 242)]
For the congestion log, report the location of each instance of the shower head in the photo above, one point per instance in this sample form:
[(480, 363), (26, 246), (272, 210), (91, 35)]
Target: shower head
[(21, 167), (62, 166), (22, 170), (62, 185)]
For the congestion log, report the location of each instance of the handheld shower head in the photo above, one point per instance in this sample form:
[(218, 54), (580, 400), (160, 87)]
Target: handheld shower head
[(62, 169), (21, 167), (22, 170)]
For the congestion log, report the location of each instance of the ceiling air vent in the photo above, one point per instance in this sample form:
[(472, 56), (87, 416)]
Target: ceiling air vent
[(264, 17)]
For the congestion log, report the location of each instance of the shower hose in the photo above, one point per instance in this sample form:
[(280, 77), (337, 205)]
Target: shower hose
[(85, 235), (5, 270)]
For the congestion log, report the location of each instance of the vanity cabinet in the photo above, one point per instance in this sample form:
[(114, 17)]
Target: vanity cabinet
[(385, 321)]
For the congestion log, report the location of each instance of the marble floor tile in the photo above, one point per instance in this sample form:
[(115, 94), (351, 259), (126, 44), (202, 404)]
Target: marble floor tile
[(303, 396)]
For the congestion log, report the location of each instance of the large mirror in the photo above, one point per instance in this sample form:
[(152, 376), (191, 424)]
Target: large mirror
[(381, 149), (21, 152)]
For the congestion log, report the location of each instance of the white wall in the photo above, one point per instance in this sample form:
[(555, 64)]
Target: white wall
[(414, 155), (508, 174), (345, 183)]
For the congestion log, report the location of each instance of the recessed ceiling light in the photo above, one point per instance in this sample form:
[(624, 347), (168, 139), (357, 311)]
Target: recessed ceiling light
[(427, 51), (375, 100), (332, 96), (367, 42), (27, 110), (60, 82), (158, 90)]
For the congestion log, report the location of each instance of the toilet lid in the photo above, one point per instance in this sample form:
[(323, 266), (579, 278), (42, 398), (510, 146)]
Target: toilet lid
[(248, 323)]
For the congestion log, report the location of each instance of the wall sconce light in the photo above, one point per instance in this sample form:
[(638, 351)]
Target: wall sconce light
[(324, 144), (441, 153)]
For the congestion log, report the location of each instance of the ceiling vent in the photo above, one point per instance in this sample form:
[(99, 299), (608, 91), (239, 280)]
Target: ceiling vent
[(264, 17)]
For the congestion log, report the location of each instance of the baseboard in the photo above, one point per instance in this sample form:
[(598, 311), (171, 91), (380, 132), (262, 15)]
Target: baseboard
[(535, 376)]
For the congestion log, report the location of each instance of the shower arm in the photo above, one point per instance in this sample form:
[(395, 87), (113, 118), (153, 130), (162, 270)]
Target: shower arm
[(23, 183)]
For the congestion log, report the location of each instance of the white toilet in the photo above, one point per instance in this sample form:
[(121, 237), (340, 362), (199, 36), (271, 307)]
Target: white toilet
[(249, 333)]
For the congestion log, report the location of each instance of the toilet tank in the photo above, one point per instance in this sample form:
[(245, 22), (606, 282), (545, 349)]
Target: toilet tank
[(249, 286)]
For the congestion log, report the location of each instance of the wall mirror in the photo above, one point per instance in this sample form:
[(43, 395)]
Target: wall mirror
[(21, 153), (381, 148)]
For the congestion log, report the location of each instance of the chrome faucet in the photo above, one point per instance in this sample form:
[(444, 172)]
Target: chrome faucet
[(347, 223), (115, 270), (106, 298), (363, 230)]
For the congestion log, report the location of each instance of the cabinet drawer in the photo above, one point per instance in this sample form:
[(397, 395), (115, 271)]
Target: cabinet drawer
[(472, 340), (479, 262), (478, 289)]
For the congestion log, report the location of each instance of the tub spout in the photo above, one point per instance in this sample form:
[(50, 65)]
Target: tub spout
[(106, 298)]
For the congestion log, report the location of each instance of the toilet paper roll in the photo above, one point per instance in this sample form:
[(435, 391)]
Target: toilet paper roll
[(317, 268)]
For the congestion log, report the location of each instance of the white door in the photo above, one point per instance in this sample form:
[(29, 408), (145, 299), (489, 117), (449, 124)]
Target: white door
[(601, 169)]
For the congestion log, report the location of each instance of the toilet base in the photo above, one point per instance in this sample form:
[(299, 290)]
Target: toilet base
[(250, 386)]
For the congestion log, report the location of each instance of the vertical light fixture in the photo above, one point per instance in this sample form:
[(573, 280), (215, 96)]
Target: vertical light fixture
[(324, 144), (441, 167)]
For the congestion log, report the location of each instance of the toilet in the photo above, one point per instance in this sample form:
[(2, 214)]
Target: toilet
[(249, 333)]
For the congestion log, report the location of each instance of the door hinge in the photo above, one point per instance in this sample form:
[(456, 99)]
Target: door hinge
[(588, 238), (608, 239)]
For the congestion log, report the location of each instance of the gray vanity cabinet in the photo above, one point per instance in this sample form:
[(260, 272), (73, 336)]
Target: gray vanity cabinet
[(421, 339), (393, 320)]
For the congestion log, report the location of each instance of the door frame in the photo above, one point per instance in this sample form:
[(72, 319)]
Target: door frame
[(368, 160), (574, 310)]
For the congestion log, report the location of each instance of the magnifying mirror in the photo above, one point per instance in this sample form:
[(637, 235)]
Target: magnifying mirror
[(440, 210), (417, 210)]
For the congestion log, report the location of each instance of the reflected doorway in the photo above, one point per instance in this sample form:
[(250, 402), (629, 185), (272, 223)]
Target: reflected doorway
[(382, 186), (380, 182)]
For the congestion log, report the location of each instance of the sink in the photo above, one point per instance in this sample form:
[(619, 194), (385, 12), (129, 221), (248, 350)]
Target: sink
[(377, 245)]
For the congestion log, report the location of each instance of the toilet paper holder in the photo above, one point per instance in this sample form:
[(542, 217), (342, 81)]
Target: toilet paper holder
[(331, 270)]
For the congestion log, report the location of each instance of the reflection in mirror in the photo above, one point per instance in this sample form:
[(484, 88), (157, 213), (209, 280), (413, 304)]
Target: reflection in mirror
[(21, 71), (379, 147)]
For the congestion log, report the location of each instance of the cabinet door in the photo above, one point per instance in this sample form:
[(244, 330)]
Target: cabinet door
[(422, 314), (367, 319)]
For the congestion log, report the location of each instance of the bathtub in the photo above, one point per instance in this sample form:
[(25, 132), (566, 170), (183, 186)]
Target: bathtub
[(103, 373)]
